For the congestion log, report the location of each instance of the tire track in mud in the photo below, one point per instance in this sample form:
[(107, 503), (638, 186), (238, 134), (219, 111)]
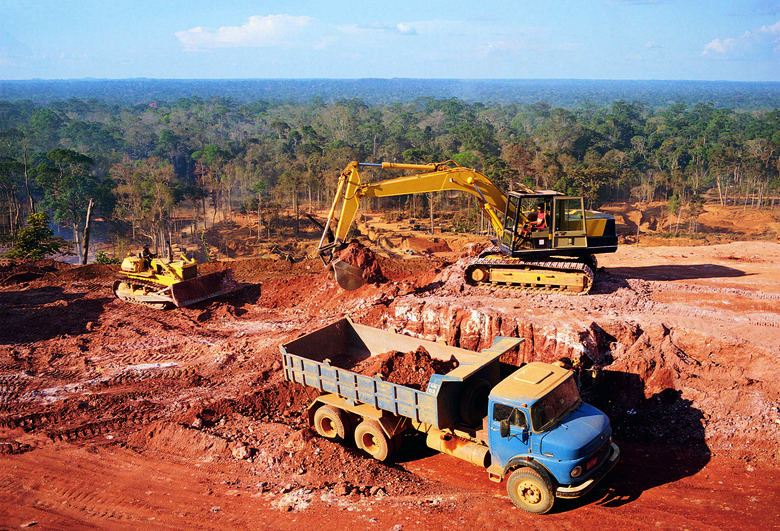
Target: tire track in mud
[(78, 412), (80, 496)]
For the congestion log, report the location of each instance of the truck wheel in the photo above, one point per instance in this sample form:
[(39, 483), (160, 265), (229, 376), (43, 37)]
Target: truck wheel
[(474, 401), (330, 423), (370, 438), (530, 491)]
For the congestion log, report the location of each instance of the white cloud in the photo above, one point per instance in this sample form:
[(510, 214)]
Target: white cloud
[(257, 32), (765, 38), (405, 29), (402, 28)]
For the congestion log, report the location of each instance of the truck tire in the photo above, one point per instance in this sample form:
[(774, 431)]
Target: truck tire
[(530, 491), (474, 401), (370, 438), (330, 422)]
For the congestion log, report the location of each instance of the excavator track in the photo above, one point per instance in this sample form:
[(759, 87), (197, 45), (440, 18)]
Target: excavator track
[(495, 270), (153, 296)]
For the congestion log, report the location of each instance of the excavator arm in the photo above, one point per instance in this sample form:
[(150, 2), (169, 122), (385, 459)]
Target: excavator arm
[(434, 177), (431, 178)]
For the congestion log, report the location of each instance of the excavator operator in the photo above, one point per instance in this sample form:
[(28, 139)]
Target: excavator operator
[(539, 223)]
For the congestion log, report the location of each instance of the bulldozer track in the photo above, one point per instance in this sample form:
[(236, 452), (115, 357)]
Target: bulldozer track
[(90, 430), (488, 260), (154, 286), (14, 447)]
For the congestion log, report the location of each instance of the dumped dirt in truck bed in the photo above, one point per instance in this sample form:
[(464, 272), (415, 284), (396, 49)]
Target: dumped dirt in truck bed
[(411, 369), (115, 415)]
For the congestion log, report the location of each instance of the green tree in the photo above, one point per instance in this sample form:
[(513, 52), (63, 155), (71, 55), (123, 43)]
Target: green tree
[(70, 190), (36, 240)]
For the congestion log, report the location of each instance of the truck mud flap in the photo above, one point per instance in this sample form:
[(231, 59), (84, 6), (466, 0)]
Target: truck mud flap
[(202, 288)]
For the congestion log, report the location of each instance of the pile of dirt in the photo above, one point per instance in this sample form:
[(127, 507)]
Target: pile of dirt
[(411, 369), (425, 245), (358, 255), (19, 271)]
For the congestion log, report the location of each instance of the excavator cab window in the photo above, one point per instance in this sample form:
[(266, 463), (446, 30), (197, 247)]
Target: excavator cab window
[(510, 221), (570, 215)]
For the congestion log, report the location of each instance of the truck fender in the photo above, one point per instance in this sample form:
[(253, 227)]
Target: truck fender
[(522, 461)]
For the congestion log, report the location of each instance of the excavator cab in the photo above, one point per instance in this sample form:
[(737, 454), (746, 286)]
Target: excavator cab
[(563, 229)]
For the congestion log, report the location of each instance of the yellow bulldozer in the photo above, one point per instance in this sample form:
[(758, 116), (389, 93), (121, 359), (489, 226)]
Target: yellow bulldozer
[(161, 284)]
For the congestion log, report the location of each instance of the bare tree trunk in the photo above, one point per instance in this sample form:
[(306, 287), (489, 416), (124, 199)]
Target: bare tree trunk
[(87, 226), (27, 183), (679, 213), (76, 239), (10, 216)]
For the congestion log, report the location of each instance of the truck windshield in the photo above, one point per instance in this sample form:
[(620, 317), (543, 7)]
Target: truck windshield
[(554, 404)]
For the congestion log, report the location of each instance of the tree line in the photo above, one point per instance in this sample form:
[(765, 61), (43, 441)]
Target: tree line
[(141, 167)]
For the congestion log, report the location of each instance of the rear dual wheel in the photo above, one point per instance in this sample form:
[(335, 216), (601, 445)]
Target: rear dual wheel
[(371, 438), (332, 423)]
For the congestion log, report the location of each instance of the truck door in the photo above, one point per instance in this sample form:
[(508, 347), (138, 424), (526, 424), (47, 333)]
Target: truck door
[(509, 433), (569, 230)]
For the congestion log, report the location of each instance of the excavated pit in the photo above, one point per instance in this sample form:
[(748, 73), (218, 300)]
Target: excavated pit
[(682, 356)]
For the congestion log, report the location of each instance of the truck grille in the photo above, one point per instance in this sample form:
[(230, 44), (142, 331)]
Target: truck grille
[(598, 457)]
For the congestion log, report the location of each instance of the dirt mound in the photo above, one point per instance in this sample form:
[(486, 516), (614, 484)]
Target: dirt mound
[(88, 272), (19, 271), (358, 255), (424, 245), (411, 369)]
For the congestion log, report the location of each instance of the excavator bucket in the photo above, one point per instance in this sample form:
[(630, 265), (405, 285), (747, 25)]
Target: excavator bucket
[(347, 276), (201, 288)]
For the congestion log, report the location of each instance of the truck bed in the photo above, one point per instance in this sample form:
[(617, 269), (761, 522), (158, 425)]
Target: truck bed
[(320, 360)]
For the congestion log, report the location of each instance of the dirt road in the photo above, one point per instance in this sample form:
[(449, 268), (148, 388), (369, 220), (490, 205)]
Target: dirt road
[(114, 415)]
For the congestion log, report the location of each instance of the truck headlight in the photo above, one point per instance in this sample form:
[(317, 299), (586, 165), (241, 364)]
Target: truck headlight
[(576, 471)]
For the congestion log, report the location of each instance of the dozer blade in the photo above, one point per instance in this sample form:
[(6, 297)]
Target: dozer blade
[(206, 287), (348, 276)]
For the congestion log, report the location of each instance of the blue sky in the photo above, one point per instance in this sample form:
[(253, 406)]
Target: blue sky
[(735, 40)]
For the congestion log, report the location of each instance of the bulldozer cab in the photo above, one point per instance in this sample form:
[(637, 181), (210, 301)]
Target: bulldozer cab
[(564, 226)]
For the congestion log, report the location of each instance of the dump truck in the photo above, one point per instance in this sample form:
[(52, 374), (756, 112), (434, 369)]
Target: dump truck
[(546, 241), (526, 424), (161, 284)]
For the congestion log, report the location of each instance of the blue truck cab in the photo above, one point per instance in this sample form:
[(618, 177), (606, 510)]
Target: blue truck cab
[(549, 442)]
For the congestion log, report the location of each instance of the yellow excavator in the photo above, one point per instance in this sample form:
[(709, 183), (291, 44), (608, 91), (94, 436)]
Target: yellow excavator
[(161, 284), (556, 254)]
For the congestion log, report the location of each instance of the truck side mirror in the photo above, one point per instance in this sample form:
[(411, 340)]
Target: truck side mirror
[(505, 428)]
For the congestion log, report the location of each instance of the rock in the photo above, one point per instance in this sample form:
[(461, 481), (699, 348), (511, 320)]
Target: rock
[(240, 451)]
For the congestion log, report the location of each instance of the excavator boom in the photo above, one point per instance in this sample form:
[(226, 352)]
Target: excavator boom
[(431, 178)]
